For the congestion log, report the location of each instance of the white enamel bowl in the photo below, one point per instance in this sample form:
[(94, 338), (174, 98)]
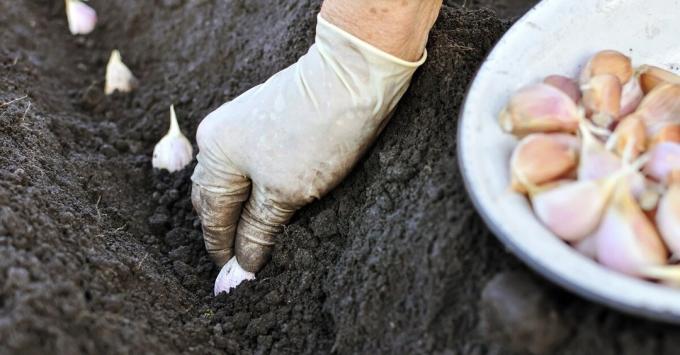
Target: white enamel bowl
[(556, 37)]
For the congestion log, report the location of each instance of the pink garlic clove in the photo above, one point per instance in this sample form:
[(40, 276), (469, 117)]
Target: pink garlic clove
[(668, 133), (651, 77), (631, 130), (668, 215), (631, 96), (587, 246), (664, 159), (539, 108), (566, 85), (542, 157), (659, 108), (607, 62), (602, 98), (596, 162), (572, 211), (626, 239), (81, 18)]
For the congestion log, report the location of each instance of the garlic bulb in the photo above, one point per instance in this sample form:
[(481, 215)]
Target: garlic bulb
[(173, 152), (540, 108), (81, 18), (118, 75)]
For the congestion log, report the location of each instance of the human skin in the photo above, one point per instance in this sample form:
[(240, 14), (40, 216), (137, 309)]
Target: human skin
[(292, 139)]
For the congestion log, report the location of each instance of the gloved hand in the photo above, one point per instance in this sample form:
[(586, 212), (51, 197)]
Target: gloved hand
[(287, 142)]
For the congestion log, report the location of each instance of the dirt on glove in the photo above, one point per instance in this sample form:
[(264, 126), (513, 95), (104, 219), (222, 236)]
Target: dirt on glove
[(99, 254)]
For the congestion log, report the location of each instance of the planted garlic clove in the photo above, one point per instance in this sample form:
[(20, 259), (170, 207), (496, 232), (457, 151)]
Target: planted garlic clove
[(631, 130), (626, 239), (668, 133), (539, 108), (602, 97), (651, 77), (631, 96), (607, 62), (596, 162), (668, 214), (660, 108), (541, 157), (173, 152), (81, 18), (118, 75), (566, 85), (573, 211), (663, 160)]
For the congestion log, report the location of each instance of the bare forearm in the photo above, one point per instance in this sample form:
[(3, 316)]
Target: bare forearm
[(398, 27)]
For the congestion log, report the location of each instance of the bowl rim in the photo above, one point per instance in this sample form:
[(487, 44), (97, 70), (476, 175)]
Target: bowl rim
[(517, 250)]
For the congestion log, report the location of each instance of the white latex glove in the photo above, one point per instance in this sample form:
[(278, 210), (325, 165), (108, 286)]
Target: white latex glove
[(289, 141)]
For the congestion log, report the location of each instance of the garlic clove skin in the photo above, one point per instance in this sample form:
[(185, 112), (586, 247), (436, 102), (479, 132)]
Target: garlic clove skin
[(668, 216), (651, 77), (539, 108), (540, 158), (626, 239), (668, 133), (664, 159), (660, 108), (631, 130), (81, 18), (631, 96), (596, 162), (607, 62), (174, 151), (572, 211), (566, 85), (118, 75), (602, 97)]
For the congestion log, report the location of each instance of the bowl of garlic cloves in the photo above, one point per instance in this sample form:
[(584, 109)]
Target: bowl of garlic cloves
[(569, 145)]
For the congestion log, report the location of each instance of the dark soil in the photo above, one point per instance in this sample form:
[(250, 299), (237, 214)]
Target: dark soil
[(99, 254)]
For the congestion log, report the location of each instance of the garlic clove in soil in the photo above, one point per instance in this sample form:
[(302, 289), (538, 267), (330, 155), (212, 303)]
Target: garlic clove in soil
[(631, 130), (664, 159), (118, 75), (231, 275), (174, 151), (627, 241), (651, 77), (81, 18), (660, 108), (602, 97), (668, 215), (566, 85), (573, 211), (607, 62), (539, 108), (542, 157)]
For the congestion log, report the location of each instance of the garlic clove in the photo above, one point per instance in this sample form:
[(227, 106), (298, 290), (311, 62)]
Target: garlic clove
[(651, 77), (174, 151), (587, 246), (664, 159), (631, 96), (626, 239), (667, 274), (660, 108), (668, 133), (607, 62), (631, 130), (572, 211), (539, 108), (81, 18), (566, 85), (602, 97), (668, 215), (118, 75), (596, 162), (542, 157), (230, 276)]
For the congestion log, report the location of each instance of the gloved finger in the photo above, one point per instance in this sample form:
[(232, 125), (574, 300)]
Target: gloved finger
[(219, 209), (261, 220)]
